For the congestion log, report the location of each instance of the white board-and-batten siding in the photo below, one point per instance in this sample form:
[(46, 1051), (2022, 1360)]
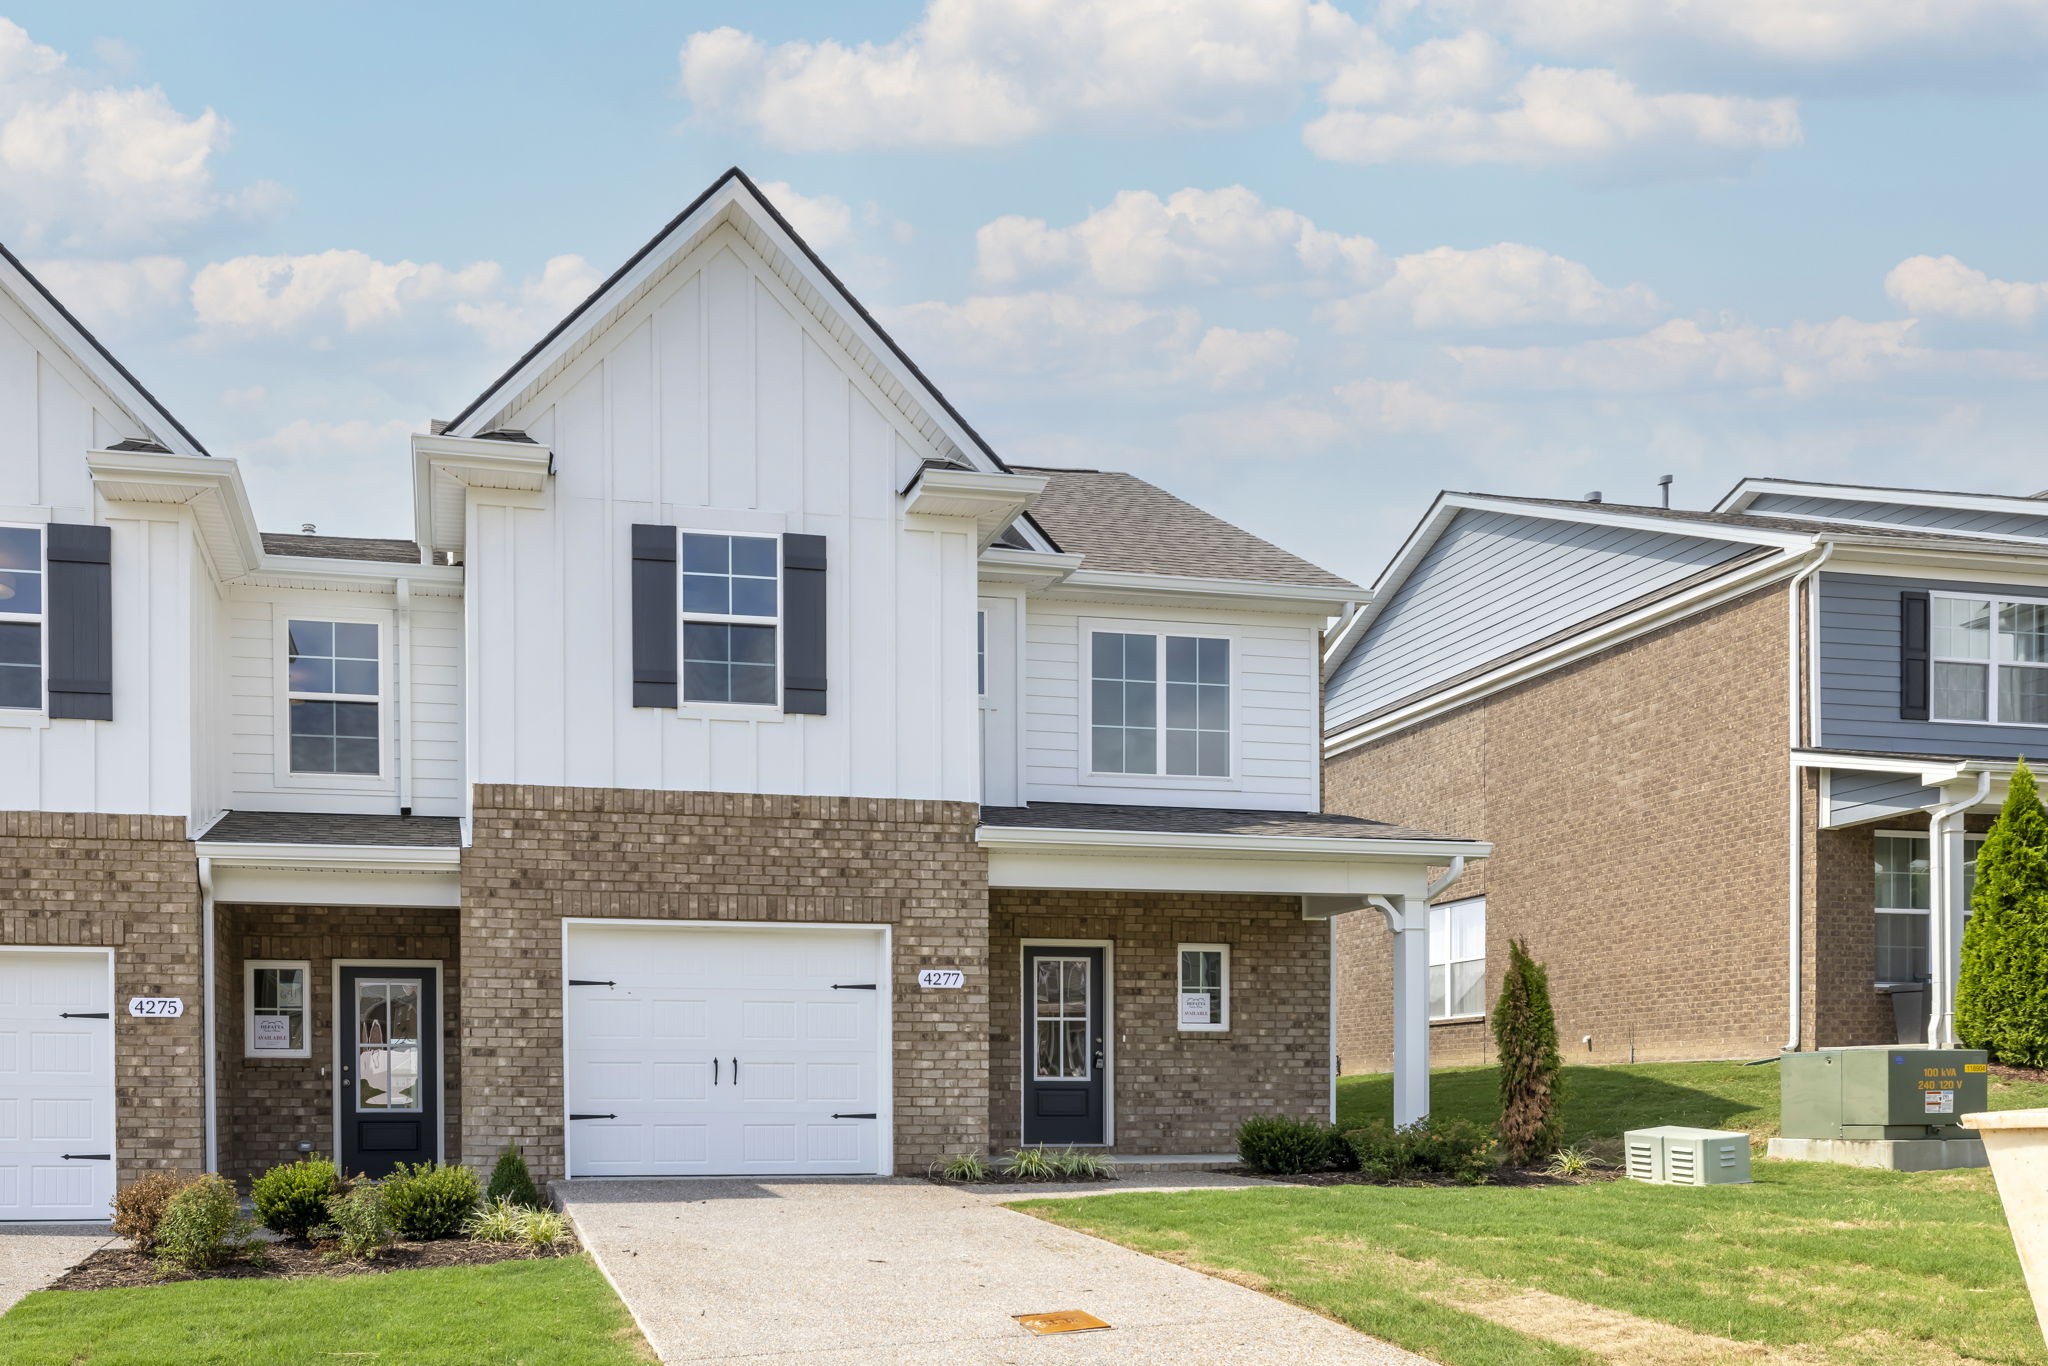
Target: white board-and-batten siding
[(1496, 583), (717, 403), (1273, 702)]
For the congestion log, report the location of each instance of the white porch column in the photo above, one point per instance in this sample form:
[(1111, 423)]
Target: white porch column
[(1409, 921)]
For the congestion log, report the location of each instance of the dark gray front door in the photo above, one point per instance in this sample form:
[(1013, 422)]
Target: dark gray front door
[(1065, 1061), (387, 1090)]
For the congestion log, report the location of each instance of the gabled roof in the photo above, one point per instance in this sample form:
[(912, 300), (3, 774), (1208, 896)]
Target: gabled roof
[(380, 549), (87, 351), (813, 282), (1119, 522)]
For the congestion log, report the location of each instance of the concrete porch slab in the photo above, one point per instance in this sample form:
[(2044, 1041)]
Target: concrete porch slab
[(904, 1270)]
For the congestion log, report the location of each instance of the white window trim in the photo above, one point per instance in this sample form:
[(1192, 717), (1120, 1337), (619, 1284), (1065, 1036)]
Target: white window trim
[(1180, 985), (1450, 908), (305, 971), (1991, 661), (38, 715), (1084, 759), (1971, 843), (386, 623), (753, 711)]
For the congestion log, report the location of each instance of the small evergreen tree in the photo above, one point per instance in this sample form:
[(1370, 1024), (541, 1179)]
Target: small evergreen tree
[(511, 1181), (2002, 994), (1525, 1038)]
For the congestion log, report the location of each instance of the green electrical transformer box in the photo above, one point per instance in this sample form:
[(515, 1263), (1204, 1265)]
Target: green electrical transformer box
[(1881, 1092)]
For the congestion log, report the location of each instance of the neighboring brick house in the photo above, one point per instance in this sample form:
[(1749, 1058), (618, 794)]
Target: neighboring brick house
[(741, 770), (1731, 762)]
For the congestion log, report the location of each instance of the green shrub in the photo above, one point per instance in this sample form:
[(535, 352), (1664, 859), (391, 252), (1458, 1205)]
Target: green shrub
[(362, 1224), (1029, 1164), (1456, 1148), (430, 1199), (501, 1221), (1274, 1145), (1072, 1164), (291, 1198), (511, 1181), (2002, 993), (203, 1226), (1574, 1162), (965, 1167), (139, 1206), (1525, 1040), (539, 1228)]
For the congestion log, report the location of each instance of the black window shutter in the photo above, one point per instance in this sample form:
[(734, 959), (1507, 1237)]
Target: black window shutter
[(803, 625), (654, 616), (81, 622), (1913, 652)]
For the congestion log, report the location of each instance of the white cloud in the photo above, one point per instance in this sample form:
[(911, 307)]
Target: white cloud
[(1797, 360), (820, 220), (304, 437), (98, 290), (284, 293), (1943, 287), (542, 301), (1400, 406), (1463, 101), (1506, 285), (1141, 244), (246, 397), (975, 73), (83, 165), (1087, 342)]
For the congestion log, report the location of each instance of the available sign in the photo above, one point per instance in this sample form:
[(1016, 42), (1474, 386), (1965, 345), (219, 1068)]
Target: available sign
[(941, 979), (1194, 1008), (271, 1032), (156, 1007)]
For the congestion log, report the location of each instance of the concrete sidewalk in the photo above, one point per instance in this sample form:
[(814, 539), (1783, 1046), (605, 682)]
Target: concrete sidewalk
[(33, 1255), (908, 1271)]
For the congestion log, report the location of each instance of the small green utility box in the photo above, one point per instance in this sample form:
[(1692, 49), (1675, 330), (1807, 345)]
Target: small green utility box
[(1674, 1155), (1881, 1093)]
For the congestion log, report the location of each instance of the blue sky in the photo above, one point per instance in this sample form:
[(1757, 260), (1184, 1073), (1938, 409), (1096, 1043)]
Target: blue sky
[(1304, 263)]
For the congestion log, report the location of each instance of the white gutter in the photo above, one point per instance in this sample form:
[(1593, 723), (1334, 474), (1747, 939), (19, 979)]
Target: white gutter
[(1941, 916), (402, 695), (1034, 838), (208, 1007), (1795, 830), (1443, 884)]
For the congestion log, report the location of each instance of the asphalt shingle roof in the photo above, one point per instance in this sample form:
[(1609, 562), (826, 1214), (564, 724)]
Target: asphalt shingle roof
[(342, 547), (1122, 523), (300, 827), (1188, 820)]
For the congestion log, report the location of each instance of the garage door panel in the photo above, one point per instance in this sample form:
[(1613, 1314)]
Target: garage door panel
[(603, 1081), (681, 1081), (679, 1020), (834, 1082), (56, 1085), (833, 1021), (681, 1143)]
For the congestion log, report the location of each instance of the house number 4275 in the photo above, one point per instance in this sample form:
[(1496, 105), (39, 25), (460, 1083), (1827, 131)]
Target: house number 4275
[(157, 1007)]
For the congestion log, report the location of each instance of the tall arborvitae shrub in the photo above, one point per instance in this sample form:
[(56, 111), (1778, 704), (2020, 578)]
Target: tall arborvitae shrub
[(1525, 1038), (2002, 995)]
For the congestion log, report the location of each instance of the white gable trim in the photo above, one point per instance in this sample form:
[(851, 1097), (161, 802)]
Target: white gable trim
[(83, 350)]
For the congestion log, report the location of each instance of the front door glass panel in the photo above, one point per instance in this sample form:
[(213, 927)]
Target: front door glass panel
[(387, 1044), (1061, 988)]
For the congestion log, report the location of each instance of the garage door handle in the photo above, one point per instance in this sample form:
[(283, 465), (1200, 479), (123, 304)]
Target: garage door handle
[(869, 1115), (587, 982), (853, 986), (88, 1157), (593, 1116), (84, 1015)]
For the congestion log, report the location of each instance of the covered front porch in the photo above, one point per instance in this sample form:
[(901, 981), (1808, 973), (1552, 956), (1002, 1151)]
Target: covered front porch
[(1160, 974)]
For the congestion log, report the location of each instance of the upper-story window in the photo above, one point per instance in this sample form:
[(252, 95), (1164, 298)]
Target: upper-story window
[(731, 610), (334, 697), (21, 617), (1990, 660), (1142, 713)]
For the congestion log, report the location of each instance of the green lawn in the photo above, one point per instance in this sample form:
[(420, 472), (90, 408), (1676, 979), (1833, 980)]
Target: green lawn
[(557, 1312), (1822, 1263)]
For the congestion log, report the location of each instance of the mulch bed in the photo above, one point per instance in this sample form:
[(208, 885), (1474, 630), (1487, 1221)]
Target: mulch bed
[(113, 1268), (1502, 1176), (2005, 1073)]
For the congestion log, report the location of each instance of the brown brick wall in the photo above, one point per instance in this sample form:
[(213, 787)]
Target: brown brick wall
[(266, 1106), (541, 854), (1176, 1092), (1637, 805), (130, 883)]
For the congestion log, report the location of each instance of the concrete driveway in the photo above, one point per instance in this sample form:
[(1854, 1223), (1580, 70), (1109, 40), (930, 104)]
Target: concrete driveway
[(909, 1271), (33, 1255)]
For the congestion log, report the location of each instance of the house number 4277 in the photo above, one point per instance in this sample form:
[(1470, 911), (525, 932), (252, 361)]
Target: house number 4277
[(941, 979)]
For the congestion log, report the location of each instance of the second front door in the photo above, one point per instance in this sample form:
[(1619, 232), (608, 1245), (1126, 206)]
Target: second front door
[(1066, 1058), (388, 1084)]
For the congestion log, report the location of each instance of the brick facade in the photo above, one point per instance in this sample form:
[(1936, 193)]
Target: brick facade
[(542, 854), (1176, 1092), (267, 1106), (129, 883), (1637, 805)]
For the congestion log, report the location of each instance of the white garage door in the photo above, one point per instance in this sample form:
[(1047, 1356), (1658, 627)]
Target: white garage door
[(698, 1051), (56, 1085)]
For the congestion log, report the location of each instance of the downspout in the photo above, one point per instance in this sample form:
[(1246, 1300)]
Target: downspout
[(1795, 823), (402, 696), (211, 1006), (1443, 884), (1941, 916)]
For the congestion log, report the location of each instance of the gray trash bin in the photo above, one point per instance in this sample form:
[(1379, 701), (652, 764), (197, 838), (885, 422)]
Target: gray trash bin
[(1909, 1012)]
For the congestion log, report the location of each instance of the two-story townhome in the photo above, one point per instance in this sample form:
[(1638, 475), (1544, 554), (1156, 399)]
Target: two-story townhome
[(1733, 763), (742, 770)]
